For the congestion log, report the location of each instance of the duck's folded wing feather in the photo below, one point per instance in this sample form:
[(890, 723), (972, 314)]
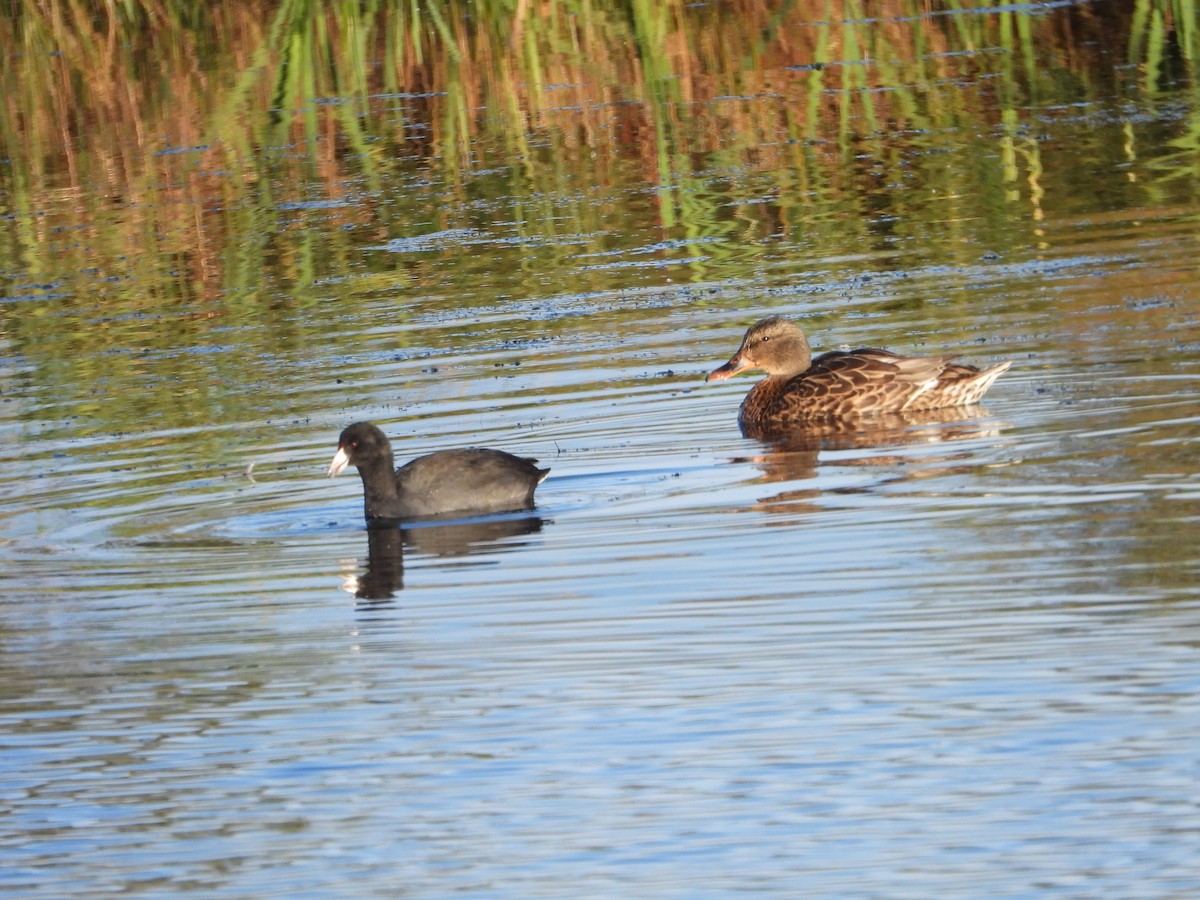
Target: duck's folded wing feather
[(858, 381)]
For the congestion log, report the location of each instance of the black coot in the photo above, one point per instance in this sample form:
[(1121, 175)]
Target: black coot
[(448, 481)]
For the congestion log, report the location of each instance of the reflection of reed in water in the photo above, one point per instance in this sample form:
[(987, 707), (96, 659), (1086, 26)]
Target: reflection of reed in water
[(382, 572), (88, 82), (791, 454)]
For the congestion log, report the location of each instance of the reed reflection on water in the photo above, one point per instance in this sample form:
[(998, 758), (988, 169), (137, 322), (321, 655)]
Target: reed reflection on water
[(937, 654)]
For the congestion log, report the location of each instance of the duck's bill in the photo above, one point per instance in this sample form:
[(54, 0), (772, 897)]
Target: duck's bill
[(341, 459), (731, 368)]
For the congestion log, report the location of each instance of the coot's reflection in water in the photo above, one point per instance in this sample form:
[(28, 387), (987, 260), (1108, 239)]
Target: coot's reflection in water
[(382, 572), (792, 454)]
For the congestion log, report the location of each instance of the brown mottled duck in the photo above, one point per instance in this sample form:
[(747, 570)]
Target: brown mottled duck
[(843, 383)]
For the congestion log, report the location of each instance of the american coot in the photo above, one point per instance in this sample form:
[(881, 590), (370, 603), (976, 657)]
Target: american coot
[(448, 481), (843, 384)]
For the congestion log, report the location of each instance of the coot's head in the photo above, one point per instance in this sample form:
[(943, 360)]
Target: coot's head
[(361, 444)]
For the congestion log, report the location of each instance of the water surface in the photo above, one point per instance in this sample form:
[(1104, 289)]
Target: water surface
[(954, 656)]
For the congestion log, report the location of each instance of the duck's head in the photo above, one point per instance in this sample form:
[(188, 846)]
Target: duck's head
[(775, 345)]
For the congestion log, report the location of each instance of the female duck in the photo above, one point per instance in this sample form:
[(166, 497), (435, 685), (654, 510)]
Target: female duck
[(448, 481), (843, 384)]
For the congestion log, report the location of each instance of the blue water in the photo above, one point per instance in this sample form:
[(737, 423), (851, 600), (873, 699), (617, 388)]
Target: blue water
[(955, 658)]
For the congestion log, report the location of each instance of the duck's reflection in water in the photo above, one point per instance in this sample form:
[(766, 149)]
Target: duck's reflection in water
[(792, 454), (381, 574)]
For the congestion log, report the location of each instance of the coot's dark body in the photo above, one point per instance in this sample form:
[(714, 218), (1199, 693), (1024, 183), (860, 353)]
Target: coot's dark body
[(476, 480)]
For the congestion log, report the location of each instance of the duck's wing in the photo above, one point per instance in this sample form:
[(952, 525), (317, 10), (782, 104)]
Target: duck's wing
[(842, 383)]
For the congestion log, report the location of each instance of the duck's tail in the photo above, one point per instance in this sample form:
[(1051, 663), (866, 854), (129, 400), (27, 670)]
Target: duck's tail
[(958, 385)]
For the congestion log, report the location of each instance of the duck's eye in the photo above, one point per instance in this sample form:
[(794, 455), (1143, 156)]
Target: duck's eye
[(765, 338)]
